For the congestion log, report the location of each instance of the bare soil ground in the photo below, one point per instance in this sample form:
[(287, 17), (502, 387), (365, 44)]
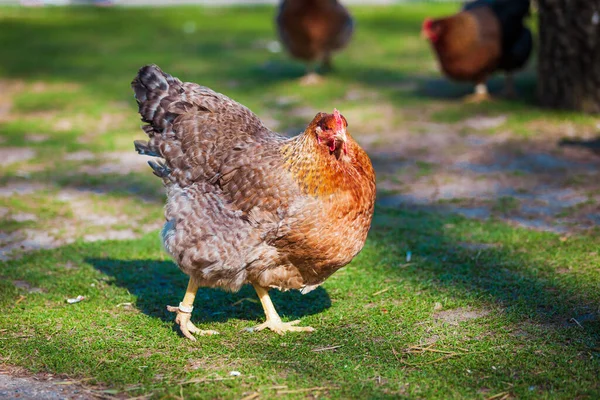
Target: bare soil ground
[(450, 167), (528, 182), (16, 383)]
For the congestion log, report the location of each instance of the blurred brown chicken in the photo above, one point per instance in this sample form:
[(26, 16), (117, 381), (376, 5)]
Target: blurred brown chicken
[(487, 35), (247, 205), (312, 30)]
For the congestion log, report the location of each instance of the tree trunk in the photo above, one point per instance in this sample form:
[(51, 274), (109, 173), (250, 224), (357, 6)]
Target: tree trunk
[(569, 54)]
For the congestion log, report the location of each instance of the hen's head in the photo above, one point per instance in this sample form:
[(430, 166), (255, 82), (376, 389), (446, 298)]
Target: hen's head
[(431, 30), (330, 130)]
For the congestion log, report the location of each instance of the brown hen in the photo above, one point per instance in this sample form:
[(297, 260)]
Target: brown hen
[(312, 30), (486, 36), (247, 205)]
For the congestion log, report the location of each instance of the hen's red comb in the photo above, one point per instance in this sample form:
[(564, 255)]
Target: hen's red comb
[(427, 24), (338, 118)]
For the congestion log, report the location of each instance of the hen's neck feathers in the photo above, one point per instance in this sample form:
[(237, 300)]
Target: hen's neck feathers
[(320, 172)]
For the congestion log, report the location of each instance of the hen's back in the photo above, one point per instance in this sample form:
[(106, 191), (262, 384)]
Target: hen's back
[(311, 29), (517, 41), (469, 46)]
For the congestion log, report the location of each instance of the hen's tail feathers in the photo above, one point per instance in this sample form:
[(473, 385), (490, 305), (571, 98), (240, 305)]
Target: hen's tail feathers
[(160, 98), (517, 55), (160, 169), (188, 125), (142, 147), (151, 85)]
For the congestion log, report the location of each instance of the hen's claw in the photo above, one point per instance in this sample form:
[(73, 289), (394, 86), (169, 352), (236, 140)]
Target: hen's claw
[(311, 79), (477, 98), (281, 328), (481, 94), (186, 326)]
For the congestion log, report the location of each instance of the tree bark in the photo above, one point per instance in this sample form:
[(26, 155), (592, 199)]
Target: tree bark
[(569, 54)]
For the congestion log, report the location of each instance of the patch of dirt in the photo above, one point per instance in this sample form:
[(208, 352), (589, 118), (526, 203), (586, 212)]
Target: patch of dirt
[(63, 125), (482, 123), (120, 163), (458, 315), (27, 286), (22, 217), (96, 127), (17, 383), (456, 168), (41, 87), (27, 240), (29, 388), (11, 155), (82, 155), (92, 220), (21, 188), (108, 120), (429, 340), (36, 137), (111, 235)]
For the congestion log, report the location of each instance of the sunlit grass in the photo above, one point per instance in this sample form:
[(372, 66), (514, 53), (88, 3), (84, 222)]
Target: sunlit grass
[(478, 309)]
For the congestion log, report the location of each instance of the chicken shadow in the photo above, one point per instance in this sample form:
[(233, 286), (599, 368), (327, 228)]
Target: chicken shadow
[(485, 270), (593, 145), (157, 283)]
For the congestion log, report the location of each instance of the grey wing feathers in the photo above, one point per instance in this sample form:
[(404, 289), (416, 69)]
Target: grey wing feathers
[(190, 126)]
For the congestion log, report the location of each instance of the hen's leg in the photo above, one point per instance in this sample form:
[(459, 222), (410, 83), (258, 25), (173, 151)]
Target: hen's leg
[(481, 94), (327, 65), (311, 77), (509, 87), (273, 321), (184, 312)]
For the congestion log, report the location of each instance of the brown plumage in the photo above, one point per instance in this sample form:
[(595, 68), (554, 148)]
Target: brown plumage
[(312, 30), (487, 35), (467, 44), (245, 204)]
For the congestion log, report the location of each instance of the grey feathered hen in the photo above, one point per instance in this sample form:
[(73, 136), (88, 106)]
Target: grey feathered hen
[(247, 205)]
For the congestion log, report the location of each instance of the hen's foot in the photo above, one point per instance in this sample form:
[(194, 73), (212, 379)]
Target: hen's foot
[(311, 79), (281, 328), (477, 98), (186, 326), (481, 94), (326, 66)]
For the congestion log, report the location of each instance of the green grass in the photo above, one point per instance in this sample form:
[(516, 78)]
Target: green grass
[(505, 205), (66, 72), (377, 309)]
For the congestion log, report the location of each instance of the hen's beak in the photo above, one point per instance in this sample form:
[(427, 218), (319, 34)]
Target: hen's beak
[(340, 136), (341, 139)]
